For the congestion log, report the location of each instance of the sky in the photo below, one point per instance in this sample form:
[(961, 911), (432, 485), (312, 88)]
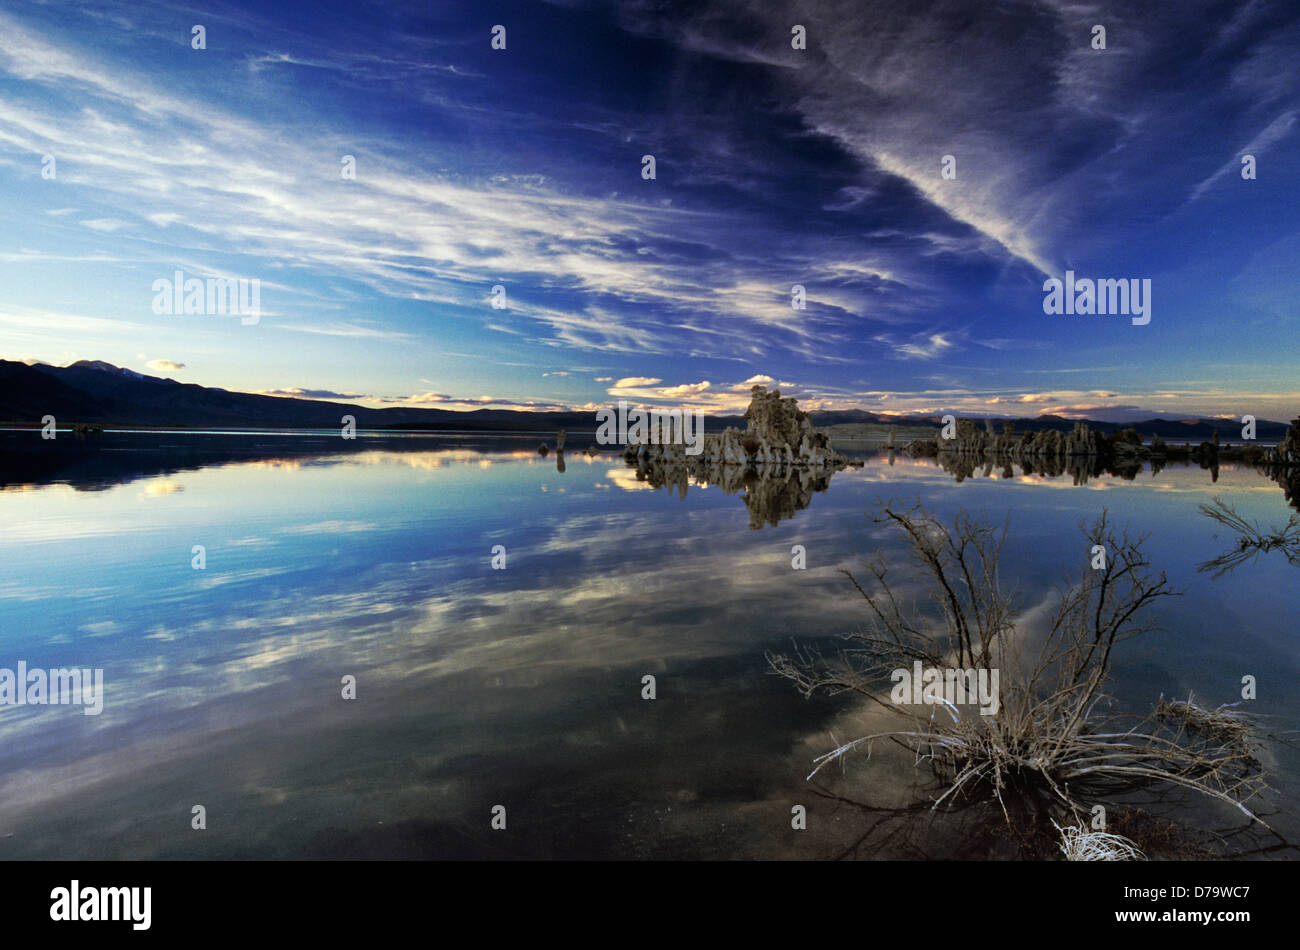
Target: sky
[(126, 154)]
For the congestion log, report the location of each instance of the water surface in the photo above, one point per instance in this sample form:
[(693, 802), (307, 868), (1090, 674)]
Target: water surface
[(520, 687)]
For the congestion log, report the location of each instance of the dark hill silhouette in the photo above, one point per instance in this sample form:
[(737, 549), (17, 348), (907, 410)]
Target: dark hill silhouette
[(101, 393)]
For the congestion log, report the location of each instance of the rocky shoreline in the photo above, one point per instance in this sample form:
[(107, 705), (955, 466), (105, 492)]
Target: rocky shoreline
[(1084, 442), (1085, 452)]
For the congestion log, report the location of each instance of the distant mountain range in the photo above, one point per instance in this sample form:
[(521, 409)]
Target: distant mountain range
[(93, 391)]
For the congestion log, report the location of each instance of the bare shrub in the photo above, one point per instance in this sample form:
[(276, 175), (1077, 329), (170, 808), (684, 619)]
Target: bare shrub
[(1078, 843), (1051, 748)]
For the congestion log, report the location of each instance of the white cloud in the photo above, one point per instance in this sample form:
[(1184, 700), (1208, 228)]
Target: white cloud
[(103, 224), (927, 350)]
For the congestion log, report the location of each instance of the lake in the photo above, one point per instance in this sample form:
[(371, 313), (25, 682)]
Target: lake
[(523, 687)]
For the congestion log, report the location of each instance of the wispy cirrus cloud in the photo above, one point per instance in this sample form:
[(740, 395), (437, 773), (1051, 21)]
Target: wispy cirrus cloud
[(778, 169)]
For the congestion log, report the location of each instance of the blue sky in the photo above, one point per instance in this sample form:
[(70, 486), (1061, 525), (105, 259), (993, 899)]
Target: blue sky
[(774, 166)]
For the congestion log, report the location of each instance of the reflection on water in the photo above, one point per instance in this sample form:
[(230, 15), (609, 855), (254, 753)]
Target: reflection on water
[(772, 491), (775, 491), (521, 686), (1288, 477), (1081, 469)]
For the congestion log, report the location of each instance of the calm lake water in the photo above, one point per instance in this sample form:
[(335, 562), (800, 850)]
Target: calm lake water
[(521, 687)]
